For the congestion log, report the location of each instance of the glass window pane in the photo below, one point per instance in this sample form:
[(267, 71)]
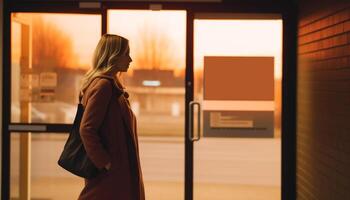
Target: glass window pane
[(155, 82), (49, 57), (14, 163), (228, 163), (47, 180)]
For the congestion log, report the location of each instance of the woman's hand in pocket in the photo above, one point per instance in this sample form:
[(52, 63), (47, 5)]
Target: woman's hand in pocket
[(108, 166)]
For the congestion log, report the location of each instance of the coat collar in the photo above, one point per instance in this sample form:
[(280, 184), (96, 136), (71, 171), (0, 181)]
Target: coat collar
[(118, 89), (122, 97)]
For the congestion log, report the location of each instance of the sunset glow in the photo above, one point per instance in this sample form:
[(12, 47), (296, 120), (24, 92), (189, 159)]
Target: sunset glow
[(241, 37), (238, 38), (83, 40), (160, 34)]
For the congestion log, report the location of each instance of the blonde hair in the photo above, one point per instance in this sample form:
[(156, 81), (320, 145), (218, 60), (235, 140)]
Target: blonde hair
[(105, 58)]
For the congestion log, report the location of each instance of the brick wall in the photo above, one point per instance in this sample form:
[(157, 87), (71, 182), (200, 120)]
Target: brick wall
[(323, 99)]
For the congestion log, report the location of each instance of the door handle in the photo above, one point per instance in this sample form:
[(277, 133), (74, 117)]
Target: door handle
[(190, 118)]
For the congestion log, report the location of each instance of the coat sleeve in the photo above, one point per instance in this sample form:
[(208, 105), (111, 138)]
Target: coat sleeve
[(95, 110)]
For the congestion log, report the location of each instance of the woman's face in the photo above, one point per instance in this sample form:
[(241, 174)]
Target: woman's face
[(125, 61)]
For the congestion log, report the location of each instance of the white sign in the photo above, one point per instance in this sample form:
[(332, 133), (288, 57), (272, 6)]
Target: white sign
[(48, 79), (219, 121)]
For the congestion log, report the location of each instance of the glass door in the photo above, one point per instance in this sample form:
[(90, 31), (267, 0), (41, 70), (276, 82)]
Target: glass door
[(234, 118), (49, 56), (236, 113), (155, 82)]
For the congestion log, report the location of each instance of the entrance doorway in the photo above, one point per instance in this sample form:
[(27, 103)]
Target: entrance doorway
[(237, 89), (193, 143)]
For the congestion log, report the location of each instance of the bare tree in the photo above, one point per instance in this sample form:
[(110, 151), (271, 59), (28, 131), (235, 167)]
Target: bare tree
[(53, 52), (52, 48), (155, 50)]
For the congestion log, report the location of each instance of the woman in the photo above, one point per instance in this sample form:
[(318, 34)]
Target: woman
[(108, 126)]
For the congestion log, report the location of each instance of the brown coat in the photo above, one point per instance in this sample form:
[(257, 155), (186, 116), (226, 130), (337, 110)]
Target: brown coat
[(107, 138)]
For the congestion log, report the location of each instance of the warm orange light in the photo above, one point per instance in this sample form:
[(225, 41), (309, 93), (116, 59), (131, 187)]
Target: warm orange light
[(238, 38), (157, 38), (84, 36)]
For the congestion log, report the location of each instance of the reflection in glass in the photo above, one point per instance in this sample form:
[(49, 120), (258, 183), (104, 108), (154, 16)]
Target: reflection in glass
[(239, 38), (229, 167), (49, 57), (14, 163), (155, 79), (155, 82), (47, 180)]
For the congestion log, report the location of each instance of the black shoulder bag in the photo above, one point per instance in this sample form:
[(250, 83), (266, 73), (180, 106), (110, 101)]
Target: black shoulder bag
[(73, 157)]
